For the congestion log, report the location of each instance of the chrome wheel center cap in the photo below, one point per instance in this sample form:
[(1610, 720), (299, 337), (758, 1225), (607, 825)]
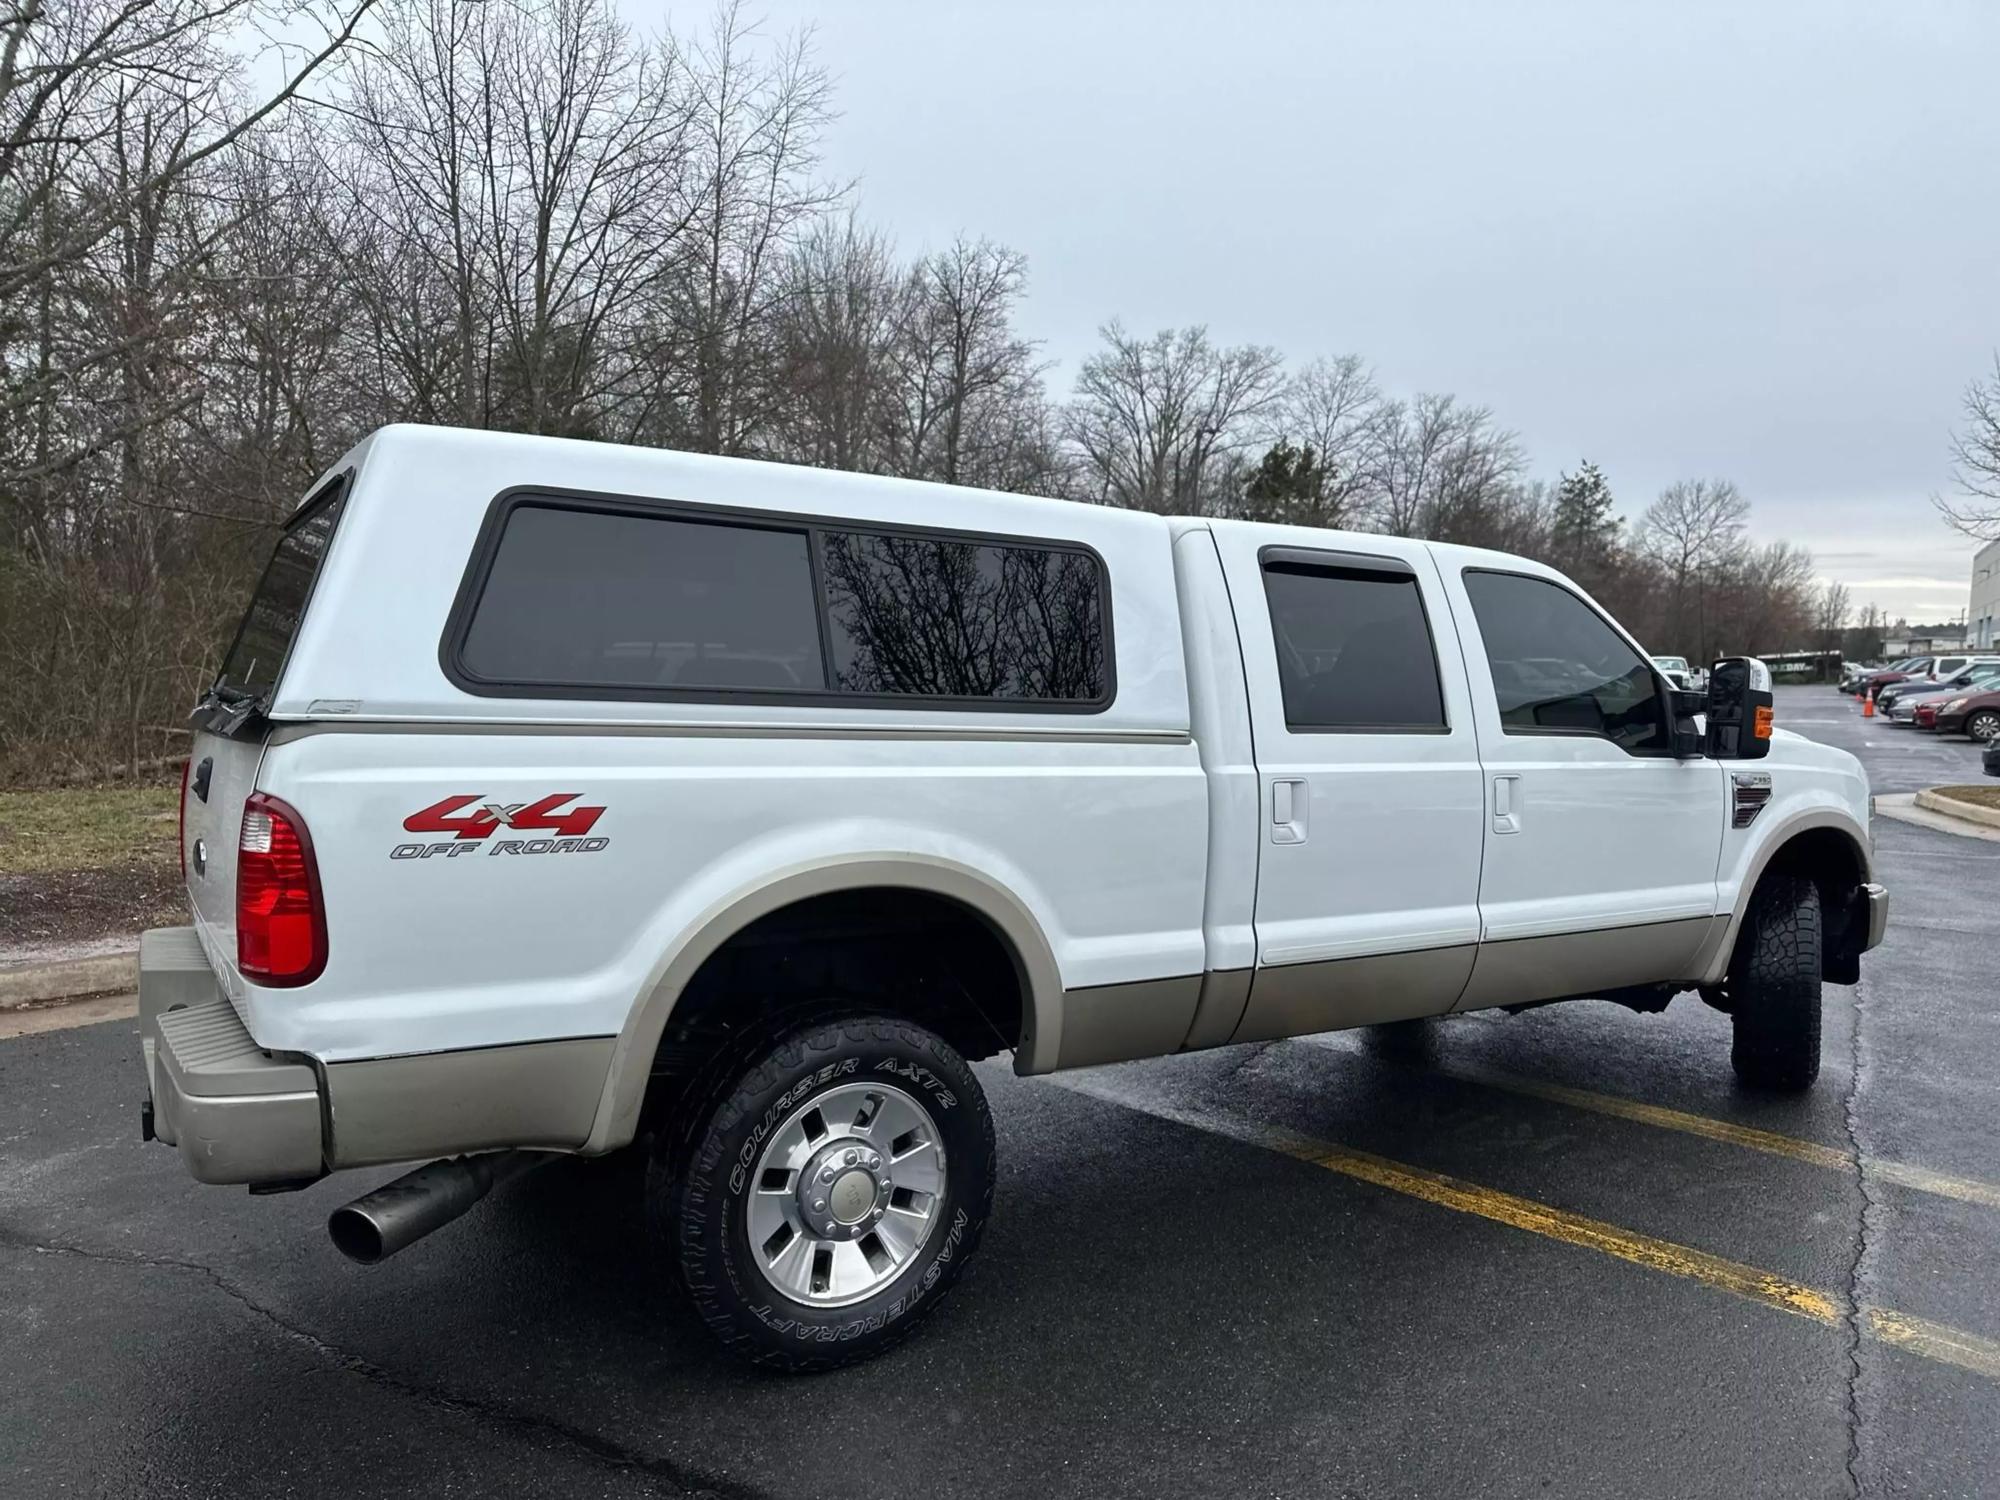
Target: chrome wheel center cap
[(853, 1194), (844, 1190)]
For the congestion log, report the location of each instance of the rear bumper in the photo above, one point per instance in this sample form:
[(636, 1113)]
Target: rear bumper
[(237, 1113), (240, 1113)]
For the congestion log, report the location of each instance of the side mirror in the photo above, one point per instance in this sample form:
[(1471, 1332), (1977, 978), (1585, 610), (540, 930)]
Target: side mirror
[(1739, 709)]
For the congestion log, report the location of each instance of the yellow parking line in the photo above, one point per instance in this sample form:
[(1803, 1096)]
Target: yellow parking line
[(1922, 1179), (1919, 1336)]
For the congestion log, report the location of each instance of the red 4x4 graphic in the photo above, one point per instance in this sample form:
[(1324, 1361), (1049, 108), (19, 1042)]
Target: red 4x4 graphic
[(539, 816)]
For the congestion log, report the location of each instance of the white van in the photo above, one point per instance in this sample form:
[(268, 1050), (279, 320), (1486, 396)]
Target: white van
[(556, 796)]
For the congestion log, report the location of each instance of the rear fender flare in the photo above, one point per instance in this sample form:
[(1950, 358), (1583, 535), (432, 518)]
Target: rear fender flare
[(617, 1117)]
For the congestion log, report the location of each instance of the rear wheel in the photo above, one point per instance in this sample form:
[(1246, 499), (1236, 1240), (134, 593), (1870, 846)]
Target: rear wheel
[(1984, 725), (1774, 987), (821, 1199)]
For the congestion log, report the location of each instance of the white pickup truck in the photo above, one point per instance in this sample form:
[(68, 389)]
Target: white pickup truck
[(555, 797)]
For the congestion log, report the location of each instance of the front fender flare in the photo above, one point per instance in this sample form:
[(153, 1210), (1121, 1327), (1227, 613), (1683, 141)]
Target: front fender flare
[(1713, 962)]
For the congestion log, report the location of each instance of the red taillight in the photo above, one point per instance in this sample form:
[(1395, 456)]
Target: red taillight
[(280, 919), (181, 827)]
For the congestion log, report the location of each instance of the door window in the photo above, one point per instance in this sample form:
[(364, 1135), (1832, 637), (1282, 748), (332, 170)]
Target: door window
[(1354, 649), (1559, 668)]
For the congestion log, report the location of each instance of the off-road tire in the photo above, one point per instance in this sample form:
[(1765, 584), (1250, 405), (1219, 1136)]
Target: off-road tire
[(1984, 725), (702, 1165), (1774, 987)]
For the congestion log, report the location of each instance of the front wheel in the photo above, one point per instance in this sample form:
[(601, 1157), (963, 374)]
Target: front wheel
[(821, 1201), (1774, 987), (1984, 726)]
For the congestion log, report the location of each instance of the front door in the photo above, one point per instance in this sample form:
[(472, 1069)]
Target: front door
[(1368, 768), (1600, 846)]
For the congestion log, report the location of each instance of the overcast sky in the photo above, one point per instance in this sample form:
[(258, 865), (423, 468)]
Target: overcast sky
[(1749, 240)]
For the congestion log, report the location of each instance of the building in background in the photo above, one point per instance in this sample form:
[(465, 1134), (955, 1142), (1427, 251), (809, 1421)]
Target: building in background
[(1982, 616), (1926, 640)]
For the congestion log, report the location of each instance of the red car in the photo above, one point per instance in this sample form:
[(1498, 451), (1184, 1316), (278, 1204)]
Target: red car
[(1976, 714), (1925, 715)]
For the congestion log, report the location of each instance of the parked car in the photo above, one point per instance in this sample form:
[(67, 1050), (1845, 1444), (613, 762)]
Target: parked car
[(1680, 674), (615, 796), (1855, 673), (1974, 714), (1851, 672), (1899, 700), (1881, 677), (1989, 758)]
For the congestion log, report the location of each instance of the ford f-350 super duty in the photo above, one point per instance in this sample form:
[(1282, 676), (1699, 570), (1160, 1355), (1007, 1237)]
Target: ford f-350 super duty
[(562, 797)]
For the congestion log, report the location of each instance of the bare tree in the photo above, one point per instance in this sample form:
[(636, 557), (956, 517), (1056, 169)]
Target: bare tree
[(517, 185), (1975, 462), (1162, 423), (1692, 526), (836, 349), (752, 188), (965, 377), (1831, 607), (1436, 468), (107, 107), (1330, 407)]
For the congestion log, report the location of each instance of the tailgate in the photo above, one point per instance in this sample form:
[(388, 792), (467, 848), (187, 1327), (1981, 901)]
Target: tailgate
[(222, 772)]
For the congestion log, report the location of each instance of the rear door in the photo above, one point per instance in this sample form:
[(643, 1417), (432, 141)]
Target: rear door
[(1369, 780), (230, 731), (1600, 847)]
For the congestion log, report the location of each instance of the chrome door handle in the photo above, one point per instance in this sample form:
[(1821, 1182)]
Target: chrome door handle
[(1288, 810), (1506, 804)]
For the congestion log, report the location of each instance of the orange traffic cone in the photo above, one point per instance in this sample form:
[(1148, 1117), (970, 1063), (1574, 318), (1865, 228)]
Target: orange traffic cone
[(1868, 705)]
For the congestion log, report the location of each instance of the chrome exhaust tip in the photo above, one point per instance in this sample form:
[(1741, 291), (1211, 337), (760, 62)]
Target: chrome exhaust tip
[(398, 1214)]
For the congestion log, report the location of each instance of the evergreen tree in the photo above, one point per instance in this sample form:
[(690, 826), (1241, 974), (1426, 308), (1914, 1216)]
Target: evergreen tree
[(1583, 531), (1289, 484)]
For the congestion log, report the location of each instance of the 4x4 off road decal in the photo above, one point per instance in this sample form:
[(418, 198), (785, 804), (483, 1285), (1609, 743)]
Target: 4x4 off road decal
[(471, 829)]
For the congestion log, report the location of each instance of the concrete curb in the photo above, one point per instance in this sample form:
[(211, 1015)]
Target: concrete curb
[(1936, 800), (34, 984), (1901, 807)]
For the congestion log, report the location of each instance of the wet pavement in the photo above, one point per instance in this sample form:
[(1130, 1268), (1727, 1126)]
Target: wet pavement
[(1553, 1254)]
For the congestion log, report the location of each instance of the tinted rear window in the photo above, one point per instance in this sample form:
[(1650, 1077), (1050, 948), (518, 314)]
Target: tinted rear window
[(592, 598), (272, 620), (1354, 650), (919, 615), (585, 598)]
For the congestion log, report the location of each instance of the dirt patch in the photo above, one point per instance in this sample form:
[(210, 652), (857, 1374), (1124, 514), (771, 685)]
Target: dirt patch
[(55, 914), (1981, 796), (84, 870)]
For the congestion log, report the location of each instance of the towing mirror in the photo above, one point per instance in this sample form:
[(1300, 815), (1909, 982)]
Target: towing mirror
[(1739, 709)]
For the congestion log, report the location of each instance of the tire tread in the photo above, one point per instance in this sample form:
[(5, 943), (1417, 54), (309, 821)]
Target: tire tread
[(1774, 987), (712, 1110)]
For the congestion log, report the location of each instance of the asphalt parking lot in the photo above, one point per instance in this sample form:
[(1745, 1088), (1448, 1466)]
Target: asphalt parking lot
[(1553, 1254)]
